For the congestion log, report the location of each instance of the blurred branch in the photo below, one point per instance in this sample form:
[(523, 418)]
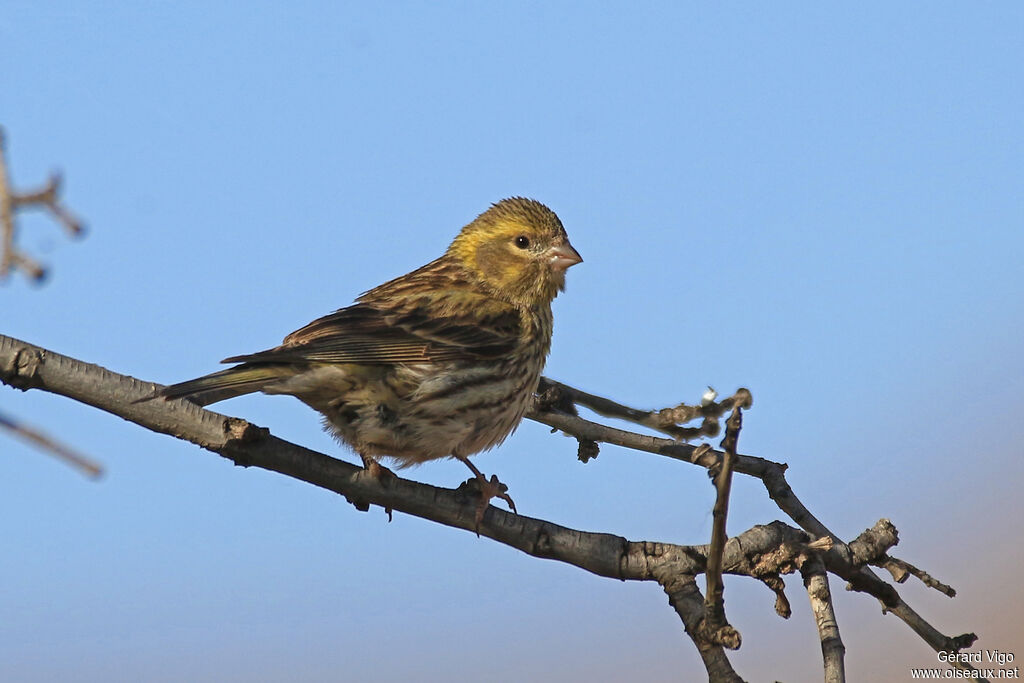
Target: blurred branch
[(763, 552), (46, 443), (11, 202)]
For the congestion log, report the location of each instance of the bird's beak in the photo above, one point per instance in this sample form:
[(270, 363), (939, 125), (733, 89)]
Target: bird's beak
[(563, 256)]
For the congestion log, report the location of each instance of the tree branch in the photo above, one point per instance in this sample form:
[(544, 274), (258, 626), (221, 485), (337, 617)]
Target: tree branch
[(716, 627), (25, 366), (839, 560), (762, 552), (685, 598), (832, 649)]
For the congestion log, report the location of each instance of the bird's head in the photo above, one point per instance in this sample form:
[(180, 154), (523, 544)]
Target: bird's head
[(518, 250)]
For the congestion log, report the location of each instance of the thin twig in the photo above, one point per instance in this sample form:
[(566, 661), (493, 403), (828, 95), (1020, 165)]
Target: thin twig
[(716, 627), (666, 420), (52, 446), (901, 570)]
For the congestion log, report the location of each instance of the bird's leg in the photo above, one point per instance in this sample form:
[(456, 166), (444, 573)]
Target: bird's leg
[(489, 488)]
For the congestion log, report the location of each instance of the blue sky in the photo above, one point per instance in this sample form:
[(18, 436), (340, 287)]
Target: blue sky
[(820, 203)]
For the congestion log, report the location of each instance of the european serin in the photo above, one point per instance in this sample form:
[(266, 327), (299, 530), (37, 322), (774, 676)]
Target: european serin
[(443, 361)]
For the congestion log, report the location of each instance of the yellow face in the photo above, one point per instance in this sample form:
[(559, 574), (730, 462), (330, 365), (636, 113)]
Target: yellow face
[(519, 249)]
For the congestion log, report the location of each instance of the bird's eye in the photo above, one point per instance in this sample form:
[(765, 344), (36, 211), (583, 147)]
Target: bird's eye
[(522, 241)]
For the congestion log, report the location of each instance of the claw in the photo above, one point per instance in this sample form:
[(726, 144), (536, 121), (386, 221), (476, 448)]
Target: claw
[(383, 476), (379, 472), (488, 488), (375, 469)]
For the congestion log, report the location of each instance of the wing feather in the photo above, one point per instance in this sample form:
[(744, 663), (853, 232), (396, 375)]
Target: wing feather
[(366, 334)]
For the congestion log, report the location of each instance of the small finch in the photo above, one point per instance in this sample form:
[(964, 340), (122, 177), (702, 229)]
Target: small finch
[(440, 362)]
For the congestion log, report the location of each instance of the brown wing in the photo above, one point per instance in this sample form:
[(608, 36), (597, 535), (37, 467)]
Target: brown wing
[(366, 334)]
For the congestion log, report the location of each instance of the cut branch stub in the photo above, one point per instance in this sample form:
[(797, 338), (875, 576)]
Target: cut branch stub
[(873, 543)]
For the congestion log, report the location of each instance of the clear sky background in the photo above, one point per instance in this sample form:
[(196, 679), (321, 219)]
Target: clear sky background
[(821, 203)]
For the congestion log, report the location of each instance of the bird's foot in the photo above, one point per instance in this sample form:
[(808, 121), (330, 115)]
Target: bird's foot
[(376, 470), (488, 489), (379, 473)]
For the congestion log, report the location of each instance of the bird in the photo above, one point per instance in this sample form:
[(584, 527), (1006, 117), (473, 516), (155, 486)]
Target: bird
[(442, 362)]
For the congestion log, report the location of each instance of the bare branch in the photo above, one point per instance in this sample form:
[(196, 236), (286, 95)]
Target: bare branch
[(667, 420), (25, 366), (773, 475), (716, 627), (685, 598), (832, 649), (762, 552), (50, 445)]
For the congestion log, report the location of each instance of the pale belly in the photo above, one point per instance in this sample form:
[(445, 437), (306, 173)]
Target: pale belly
[(415, 413)]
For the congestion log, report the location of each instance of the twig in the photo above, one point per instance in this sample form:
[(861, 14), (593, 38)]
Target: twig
[(11, 202), (667, 420), (901, 570), (716, 627), (53, 447)]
